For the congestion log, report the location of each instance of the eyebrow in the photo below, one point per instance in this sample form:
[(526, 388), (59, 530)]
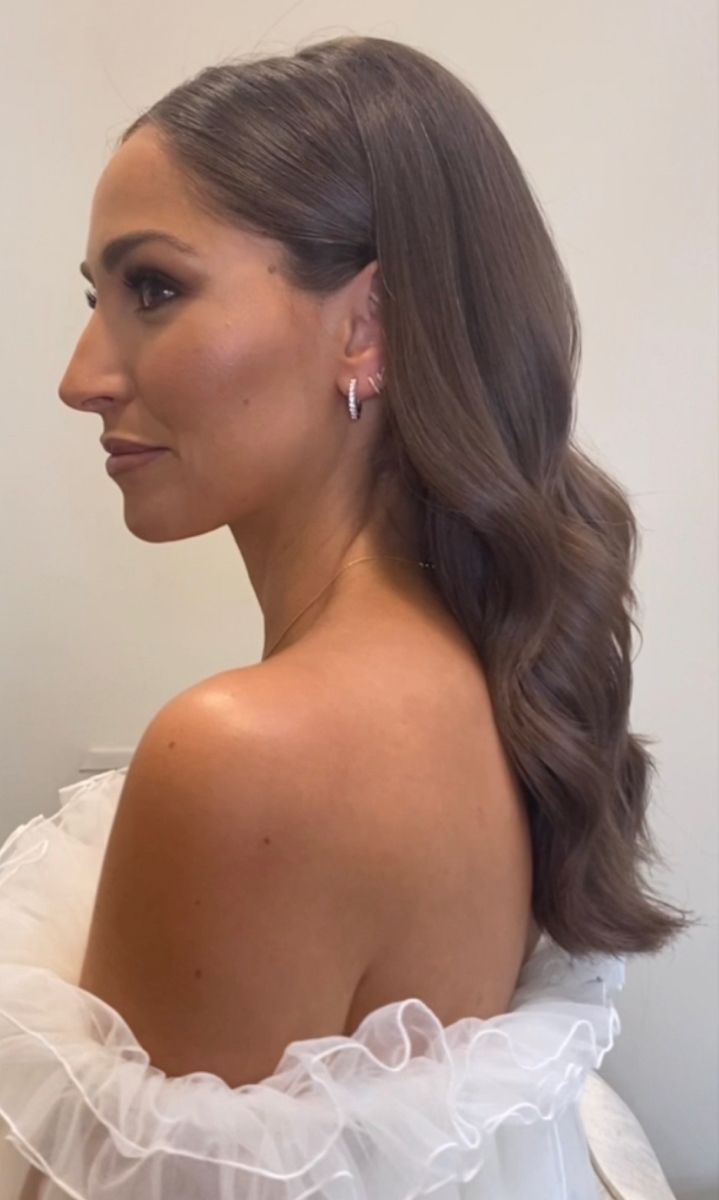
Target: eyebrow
[(117, 249)]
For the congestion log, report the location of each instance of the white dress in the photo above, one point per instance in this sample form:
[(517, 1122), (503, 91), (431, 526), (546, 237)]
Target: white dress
[(404, 1108)]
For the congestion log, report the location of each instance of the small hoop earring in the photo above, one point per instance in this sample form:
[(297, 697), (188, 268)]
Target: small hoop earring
[(377, 386), (353, 403)]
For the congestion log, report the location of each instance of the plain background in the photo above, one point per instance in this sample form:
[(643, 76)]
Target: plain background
[(612, 110)]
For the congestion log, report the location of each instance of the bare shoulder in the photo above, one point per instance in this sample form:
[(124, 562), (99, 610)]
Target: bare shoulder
[(404, 728), (393, 745), (395, 740), (382, 735), (257, 746), (230, 916)]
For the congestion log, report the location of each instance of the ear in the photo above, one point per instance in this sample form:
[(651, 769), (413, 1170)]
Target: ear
[(362, 348)]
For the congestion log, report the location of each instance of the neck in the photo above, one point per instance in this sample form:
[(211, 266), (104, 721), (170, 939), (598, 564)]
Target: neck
[(375, 577), (289, 569)]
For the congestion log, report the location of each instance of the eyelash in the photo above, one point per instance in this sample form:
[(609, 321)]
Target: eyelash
[(134, 280)]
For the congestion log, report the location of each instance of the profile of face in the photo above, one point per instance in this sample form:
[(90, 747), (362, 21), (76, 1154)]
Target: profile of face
[(214, 355)]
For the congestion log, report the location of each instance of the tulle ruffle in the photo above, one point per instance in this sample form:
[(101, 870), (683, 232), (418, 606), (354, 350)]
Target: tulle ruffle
[(402, 1109)]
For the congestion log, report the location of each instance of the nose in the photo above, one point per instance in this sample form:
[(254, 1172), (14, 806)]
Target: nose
[(91, 383)]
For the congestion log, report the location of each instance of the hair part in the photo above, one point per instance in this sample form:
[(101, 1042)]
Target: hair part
[(339, 152)]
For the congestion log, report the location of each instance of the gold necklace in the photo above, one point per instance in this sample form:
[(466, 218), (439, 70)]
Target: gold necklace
[(366, 558)]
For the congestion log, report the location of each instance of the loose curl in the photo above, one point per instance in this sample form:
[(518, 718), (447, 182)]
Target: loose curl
[(359, 149)]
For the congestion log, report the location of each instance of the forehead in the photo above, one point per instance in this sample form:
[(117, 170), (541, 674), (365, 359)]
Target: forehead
[(139, 182), (142, 187)]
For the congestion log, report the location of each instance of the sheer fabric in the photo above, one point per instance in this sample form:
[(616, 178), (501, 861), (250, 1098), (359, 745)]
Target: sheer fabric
[(404, 1108)]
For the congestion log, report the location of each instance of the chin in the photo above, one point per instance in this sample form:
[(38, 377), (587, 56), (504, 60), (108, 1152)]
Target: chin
[(158, 527)]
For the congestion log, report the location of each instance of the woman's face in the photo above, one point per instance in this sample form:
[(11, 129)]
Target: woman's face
[(211, 354)]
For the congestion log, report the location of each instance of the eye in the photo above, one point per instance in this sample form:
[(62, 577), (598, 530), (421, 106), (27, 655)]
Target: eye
[(136, 280)]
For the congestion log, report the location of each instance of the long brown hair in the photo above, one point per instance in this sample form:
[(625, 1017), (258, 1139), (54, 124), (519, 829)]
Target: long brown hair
[(360, 149)]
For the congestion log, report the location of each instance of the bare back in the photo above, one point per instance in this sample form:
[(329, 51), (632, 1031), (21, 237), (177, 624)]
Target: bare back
[(410, 742)]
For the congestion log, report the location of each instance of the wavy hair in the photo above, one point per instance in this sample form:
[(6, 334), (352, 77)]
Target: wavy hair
[(359, 149)]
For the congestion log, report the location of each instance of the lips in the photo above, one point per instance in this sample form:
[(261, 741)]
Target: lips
[(118, 446), (121, 463)]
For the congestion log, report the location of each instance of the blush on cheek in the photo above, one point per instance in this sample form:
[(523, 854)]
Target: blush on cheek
[(238, 376)]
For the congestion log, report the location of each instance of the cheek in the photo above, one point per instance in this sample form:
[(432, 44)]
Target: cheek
[(229, 391), (196, 369)]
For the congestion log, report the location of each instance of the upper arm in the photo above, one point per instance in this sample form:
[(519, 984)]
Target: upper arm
[(230, 918)]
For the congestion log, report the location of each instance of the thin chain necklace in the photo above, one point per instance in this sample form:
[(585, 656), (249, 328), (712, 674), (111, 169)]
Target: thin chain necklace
[(366, 558)]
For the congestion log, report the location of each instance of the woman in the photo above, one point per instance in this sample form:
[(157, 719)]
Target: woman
[(387, 876)]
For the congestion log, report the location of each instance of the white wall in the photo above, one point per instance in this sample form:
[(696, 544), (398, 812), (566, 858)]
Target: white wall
[(612, 109)]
